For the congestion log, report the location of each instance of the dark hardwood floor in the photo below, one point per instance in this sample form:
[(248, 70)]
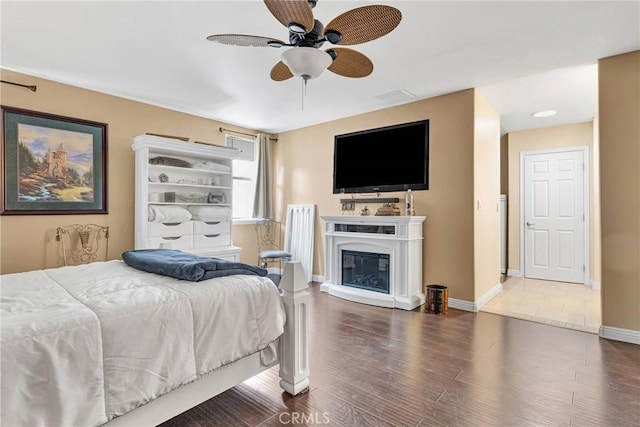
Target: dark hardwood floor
[(379, 367)]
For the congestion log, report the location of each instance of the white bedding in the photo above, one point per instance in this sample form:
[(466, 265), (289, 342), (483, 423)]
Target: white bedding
[(81, 345)]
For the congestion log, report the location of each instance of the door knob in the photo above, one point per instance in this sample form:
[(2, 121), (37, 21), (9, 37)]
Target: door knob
[(530, 224)]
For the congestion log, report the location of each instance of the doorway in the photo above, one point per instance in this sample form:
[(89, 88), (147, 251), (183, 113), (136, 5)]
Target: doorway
[(554, 200)]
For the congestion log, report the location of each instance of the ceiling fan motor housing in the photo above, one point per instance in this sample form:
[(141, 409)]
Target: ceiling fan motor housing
[(313, 38)]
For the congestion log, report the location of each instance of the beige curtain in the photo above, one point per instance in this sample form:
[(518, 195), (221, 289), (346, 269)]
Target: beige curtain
[(262, 201)]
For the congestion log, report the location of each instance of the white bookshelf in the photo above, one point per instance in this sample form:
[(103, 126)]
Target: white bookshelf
[(184, 185)]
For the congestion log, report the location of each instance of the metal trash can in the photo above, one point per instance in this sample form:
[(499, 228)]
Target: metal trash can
[(437, 299)]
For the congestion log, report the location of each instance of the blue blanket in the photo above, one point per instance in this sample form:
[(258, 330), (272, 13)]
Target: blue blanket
[(185, 266)]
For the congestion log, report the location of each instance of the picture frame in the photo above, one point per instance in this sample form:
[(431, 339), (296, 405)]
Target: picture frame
[(52, 165)]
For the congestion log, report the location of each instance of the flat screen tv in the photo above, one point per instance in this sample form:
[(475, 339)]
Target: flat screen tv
[(392, 158)]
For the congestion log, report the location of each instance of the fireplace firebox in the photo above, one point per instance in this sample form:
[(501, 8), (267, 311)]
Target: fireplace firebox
[(365, 270)]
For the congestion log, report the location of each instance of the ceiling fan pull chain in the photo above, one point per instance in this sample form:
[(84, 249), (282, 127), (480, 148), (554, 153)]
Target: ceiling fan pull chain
[(305, 79)]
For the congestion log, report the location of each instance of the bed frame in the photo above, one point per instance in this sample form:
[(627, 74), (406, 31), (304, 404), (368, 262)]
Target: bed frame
[(293, 357)]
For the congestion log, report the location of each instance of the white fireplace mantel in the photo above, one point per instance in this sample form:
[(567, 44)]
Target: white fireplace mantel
[(398, 236)]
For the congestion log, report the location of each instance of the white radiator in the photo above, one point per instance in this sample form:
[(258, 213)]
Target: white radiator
[(298, 240)]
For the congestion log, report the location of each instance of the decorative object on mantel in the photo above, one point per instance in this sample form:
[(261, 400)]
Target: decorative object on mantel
[(348, 205), (32, 88), (388, 209), (408, 202), (365, 212)]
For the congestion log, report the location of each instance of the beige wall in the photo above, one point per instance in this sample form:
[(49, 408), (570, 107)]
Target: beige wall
[(504, 164), (596, 232), (486, 182), (619, 123), (304, 167), (547, 138), (27, 240)]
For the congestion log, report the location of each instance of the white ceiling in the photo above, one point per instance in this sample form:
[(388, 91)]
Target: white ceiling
[(524, 56)]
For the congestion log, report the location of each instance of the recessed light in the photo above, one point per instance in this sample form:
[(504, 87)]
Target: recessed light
[(545, 113)]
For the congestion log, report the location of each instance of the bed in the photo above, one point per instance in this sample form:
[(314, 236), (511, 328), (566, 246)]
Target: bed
[(106, 343)]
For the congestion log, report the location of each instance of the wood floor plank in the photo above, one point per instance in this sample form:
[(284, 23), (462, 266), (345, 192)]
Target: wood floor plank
[(318, 408), (388, 408), (377, 366), (475, 413)]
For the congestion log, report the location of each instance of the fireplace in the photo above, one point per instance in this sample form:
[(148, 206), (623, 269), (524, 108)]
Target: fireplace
[(365, 270), (374, 260)]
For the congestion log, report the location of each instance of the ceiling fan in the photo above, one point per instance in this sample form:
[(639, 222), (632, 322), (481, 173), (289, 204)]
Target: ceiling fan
[(307, 35)]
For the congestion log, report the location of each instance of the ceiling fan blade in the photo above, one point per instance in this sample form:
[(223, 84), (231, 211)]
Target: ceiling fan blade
[(350, 63), (280, 72), (292, 12), (364, 24), (245, 40)]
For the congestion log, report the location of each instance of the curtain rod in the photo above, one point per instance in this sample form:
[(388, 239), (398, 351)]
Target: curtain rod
[(31, 88), (244, 133)]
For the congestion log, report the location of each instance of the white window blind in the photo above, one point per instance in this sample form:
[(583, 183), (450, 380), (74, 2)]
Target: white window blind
[(245, 169)]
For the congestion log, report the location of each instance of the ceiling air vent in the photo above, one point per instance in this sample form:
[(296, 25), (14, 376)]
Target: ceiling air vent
[(396, 97)]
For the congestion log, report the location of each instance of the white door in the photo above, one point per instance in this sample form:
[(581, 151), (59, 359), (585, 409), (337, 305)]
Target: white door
[(554, 217)]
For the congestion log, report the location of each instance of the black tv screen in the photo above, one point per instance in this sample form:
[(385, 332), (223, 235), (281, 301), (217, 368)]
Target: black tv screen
[(393, 158)]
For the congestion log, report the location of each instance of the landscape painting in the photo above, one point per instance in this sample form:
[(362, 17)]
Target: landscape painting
[(53, 164)]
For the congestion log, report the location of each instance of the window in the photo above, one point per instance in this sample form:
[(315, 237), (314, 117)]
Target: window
[(245, 170)]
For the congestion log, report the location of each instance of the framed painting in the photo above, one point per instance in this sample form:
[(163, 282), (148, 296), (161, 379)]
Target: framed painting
[(52, 165)]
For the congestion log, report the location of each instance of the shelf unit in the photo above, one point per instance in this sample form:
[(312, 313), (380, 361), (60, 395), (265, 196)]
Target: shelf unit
[(198, 185)]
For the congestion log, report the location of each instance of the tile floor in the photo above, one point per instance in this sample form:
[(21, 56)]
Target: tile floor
[(566, 305)]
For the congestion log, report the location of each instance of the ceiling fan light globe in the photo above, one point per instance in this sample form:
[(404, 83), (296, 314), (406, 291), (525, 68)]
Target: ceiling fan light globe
[(306, 61)]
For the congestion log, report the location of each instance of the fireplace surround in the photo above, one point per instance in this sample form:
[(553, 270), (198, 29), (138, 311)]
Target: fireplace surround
[(374, 260)]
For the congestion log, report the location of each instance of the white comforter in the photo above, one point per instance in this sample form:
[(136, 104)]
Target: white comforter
[(81, 345)]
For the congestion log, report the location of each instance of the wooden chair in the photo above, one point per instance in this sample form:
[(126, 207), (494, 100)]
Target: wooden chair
[(82, 244), (270, 250)]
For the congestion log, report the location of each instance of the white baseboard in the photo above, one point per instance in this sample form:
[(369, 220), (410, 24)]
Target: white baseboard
[(461, 304), (474, 307), (317, 278), (594, 285), (619, 334), (488, 295), (514, 273)]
